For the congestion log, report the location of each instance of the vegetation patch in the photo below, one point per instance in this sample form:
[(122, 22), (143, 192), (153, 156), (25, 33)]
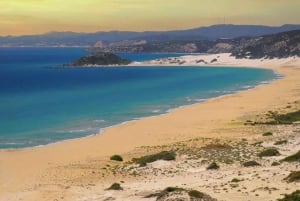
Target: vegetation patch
[(213, 60), (293, 177), (280, 142), (99, 58), (267, 134), (251, 164), (175, 193), (115, 186), (166, 191), (292, 158), (116, 158), (294, 196), (275, 163), (268, 152), (257, 144), (287, 118), (216, 146), (213, 166), (235, 180), (164, 155), (195, 194)]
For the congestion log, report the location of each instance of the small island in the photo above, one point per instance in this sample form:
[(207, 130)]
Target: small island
[(98, 59)]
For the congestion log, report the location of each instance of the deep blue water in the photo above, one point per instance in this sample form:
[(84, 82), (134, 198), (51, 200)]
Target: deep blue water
[(41, 105)]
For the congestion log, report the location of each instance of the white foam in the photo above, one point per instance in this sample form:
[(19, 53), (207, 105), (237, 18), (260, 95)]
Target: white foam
[(99, 120)]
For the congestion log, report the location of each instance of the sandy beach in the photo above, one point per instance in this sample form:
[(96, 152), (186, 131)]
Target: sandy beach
[(80, 169)]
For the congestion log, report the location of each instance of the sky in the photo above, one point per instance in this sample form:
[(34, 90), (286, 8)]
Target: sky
[(24, 17)]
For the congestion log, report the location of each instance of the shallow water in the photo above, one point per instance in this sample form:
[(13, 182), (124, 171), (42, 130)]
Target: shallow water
[(40, 104)]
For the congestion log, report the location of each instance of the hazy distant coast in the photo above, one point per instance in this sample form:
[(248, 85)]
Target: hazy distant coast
[(280, 45), (113, 38)]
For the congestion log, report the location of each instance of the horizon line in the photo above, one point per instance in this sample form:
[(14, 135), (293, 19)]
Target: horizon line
[(109, 31)]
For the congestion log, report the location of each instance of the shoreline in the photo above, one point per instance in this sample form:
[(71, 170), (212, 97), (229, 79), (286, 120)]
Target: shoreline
[(205, 119)]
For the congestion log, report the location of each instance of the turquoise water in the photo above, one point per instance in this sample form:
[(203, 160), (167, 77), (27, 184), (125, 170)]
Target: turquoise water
[(41, 105)]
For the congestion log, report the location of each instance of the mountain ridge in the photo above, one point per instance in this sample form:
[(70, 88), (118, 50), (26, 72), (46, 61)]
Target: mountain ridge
[(71, 39)]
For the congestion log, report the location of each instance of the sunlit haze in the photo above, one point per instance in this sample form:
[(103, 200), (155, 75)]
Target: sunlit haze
[(22, 17)]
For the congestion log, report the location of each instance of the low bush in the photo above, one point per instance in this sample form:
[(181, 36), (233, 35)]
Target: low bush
[(280, 142), (115, 186), (288, 118), (235, 180), (293, 177), (294, 196), (275, 163), (292, 158), (164, 155), (267, 134), (116, 158), (213, 166), (251, 164), (271, 151), (195, 194)]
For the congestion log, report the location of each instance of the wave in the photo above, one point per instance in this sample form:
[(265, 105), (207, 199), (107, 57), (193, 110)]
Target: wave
[(99, 120)]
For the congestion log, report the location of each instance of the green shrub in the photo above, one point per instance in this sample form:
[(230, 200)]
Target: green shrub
[(213, 166), (288, 118), (116, 158), (195, 194), (294, 196), (164, 155), (115, 186), (166, 191), (257, 143), (292, 158), (271, 151), (267, 134), (275, 163), (280, 142), (293, 177), (251, 164), (213, 60), (235, 180)]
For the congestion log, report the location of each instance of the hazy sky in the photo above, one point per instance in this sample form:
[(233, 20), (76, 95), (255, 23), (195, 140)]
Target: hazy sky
[(19, 17)]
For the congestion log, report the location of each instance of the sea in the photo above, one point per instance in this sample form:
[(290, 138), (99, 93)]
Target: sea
[(43, 103)]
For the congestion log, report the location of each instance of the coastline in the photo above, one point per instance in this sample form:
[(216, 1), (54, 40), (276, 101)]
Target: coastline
[(205, 119)]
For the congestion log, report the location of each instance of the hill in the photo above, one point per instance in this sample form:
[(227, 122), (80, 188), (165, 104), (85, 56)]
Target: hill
[(69, 39), (280, 45)]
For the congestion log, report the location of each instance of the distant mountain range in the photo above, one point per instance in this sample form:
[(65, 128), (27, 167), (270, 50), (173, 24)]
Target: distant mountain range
[(71, 39)]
